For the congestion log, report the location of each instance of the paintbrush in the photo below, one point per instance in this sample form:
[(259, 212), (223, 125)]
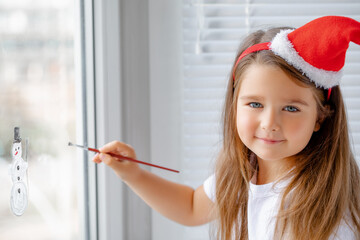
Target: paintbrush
[(120, 157)]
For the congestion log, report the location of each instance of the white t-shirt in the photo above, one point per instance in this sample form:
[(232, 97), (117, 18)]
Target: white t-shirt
[(263, 205)]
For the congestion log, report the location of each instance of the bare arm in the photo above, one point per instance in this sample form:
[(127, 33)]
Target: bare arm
[(175, 201)]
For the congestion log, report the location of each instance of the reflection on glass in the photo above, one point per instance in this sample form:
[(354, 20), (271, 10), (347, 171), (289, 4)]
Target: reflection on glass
[(37, 93)]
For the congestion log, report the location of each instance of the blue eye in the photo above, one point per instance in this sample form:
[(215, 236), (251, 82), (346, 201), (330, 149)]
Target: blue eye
[(255, 105), (291, 109)]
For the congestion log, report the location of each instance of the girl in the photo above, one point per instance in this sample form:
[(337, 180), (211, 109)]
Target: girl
[(286, 170)]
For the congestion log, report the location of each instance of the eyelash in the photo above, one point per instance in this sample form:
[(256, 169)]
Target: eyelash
[(294, 108)]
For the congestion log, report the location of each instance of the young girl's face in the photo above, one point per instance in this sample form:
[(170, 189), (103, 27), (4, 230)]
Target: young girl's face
[(275, 117)]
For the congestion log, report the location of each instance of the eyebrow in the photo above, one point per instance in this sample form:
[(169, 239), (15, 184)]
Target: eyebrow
[(288, 101)]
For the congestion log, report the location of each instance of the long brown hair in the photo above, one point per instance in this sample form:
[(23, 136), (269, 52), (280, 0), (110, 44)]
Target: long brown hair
[(325, 184)]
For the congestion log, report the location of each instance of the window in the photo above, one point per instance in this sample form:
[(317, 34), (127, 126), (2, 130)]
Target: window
[(38, 94)]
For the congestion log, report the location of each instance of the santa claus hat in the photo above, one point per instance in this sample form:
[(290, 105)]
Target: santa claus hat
[(316, 49)]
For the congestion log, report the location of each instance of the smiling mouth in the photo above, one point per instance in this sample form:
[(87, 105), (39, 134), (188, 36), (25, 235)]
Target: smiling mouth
[(270, 141)]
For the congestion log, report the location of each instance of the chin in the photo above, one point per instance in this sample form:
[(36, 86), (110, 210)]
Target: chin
[(270, 157)]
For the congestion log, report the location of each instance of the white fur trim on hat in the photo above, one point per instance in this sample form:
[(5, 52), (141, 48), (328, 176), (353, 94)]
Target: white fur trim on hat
[(282, 47)]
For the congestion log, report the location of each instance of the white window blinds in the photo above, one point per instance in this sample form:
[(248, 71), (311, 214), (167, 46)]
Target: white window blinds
[(212, 32)]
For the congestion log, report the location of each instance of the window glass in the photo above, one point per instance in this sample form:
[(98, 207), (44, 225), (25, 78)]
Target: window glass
[(37, 94)]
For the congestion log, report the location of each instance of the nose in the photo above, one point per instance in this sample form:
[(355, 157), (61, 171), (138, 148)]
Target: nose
[(270, 120)]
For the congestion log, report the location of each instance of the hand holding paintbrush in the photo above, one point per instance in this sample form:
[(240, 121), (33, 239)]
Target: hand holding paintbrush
[(119, 151), (174, 200)]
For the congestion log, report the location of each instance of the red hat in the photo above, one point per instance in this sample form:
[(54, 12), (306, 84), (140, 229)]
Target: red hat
[(317, 49)]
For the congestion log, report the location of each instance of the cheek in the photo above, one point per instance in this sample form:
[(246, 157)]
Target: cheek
[(246, 125), (300, 131)]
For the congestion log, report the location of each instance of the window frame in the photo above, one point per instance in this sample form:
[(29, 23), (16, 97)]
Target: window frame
[(111, 210), (103, 190)]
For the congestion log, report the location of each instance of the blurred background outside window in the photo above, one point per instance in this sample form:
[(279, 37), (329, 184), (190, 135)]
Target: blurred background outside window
[(37, 94)]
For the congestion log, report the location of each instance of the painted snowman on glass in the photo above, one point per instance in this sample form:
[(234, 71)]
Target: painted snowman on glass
[(19, 194)]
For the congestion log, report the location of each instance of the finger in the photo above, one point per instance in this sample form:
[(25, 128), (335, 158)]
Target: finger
[(109, 160), (96, 158), (118, 148), (114, 146)]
